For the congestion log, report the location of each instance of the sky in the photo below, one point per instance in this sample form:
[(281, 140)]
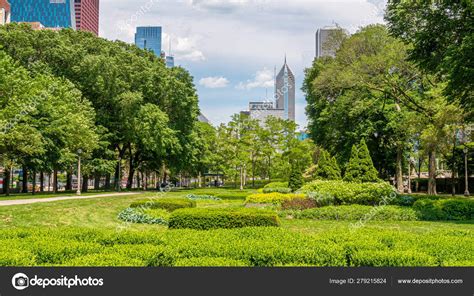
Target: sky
[(231, 47)]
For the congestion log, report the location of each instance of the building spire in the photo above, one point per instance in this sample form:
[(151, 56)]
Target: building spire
[(285, 58)]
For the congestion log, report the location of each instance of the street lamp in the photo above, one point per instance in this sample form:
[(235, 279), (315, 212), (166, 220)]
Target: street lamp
[(79, 152), (466, 173)]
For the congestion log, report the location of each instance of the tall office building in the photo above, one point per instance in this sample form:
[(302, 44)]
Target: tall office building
[(323, 36), (4, 12), (169, 61), (149, 38), (50, 13), (87, 15), (285, 92)]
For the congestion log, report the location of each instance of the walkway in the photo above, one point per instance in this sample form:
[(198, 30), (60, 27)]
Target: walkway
[(51, 199)]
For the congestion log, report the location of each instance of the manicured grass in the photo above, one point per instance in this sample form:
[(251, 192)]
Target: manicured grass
[(91, 224), (21, 196)]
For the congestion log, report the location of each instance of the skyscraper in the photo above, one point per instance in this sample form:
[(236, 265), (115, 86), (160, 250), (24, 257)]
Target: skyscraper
[(323, 36), (50, 13), (285, 92), (4, 12), (169, 61), (149, 38), (87, 15)]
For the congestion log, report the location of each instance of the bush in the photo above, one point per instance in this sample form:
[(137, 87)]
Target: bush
[(169, 204), (204, 219), (273, 198), (351, 193), (202, 197), (391, 258), (277, 185), (134, 215), (445, 209), (209, 262), (276, 189), (298, 204), (322, 200), (327, 167), (361, 167), (409, 200), (356, 212), (296, 178)]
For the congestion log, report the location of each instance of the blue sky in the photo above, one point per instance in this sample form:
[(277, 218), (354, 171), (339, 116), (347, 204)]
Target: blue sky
[(232, 46)]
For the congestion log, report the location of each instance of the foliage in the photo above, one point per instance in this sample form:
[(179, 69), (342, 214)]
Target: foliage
[(298, 204), (445, 209), (351, 193), (209, 262), (276, 189), (361, 167), (296, 178), (273, 198), (202, 197), (169, 204), (134, 215), (276, 185), (204, 219), (356, 212), (327, 167)]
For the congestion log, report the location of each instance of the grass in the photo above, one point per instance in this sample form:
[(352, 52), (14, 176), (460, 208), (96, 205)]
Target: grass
[(101, 214), (21, 196)]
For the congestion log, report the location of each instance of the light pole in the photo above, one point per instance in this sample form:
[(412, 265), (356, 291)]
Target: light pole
[(466, 173), (79, 152)]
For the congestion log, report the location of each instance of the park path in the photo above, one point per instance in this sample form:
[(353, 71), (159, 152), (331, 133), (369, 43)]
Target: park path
[(4, 203)]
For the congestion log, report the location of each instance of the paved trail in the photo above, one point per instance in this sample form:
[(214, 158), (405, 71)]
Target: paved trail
[(4, 203)]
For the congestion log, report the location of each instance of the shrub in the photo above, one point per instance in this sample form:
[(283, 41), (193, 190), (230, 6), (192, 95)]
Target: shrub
[(209, 262), (273, 198), (298, 204), (276, 189), (204, 219), (351, 193), (134, 215), (327, 167), (296, 178), (322, 200), (277, 185), (360, 167), (202, 197), (169, 204), (374, 258), (409, 200), (356, 212), (445, 209)]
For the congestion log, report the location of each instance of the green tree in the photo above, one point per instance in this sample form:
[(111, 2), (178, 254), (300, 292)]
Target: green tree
[(328, 167), (361, 167), (296, 178)]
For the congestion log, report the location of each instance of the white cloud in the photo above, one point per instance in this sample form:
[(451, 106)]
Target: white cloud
[(186, 48), (262, 79), (214, 82), (219, 5)]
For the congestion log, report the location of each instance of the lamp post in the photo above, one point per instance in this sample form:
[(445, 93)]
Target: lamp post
[(466, 173), (79, 152)]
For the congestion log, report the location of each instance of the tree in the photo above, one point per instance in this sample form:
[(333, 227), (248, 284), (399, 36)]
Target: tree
[(296, 178), (442, 37), (361, 167), (327, 167)]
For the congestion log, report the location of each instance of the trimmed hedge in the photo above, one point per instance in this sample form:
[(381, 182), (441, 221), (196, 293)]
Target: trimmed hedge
[(351, 193), (203, 219), (134, 215), (202, 197), (169, 204), (356, 212), (209, 262), (276, 185), (273, 198), (445, 209), (276, 189)]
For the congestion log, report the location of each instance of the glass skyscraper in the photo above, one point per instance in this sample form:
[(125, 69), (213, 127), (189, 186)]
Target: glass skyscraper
[(50, 13), (149, 38), (285, 92)]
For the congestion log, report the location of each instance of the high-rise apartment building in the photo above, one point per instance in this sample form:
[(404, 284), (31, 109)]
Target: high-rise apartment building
[(327, 42), (87, 15), (149, 38), (4, 12), (285, 92), (50, 13)]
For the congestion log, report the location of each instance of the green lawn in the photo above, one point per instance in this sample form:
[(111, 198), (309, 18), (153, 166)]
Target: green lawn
[(20, 196), (35, 230)]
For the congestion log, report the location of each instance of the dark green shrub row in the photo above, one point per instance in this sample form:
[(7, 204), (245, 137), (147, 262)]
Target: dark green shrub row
[(134, 215), (204, 219), (252, 246), (351, 193), (169, 204), (409, 200), (445, 209), (356, 212)]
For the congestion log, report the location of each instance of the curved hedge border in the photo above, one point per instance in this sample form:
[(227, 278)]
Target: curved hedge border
[(204, 219), (272, 198), (202, 197), (445, 209), (169, 204), (133, 215)]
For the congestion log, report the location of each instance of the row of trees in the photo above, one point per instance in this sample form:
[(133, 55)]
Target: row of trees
[(67, 93), (374, 89)]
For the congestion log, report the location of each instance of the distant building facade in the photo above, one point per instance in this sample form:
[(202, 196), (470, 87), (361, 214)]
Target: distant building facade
[(261, 111), (87, 15), (285, 92), (169, 61), (323, 37), (4, 12), (149, 38), (50, 13)]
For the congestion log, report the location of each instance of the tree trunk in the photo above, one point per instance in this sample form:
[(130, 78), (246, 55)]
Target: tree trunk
[(6, 182), (399, 170), (55, 181), (68, 181), (33, 191), (453, 170), (241, 178), (409, 177), (107, 181), (432, 173), (24, 180), (85, 184), (41, 182), (199, 180), (417, 189), (96, 181)]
